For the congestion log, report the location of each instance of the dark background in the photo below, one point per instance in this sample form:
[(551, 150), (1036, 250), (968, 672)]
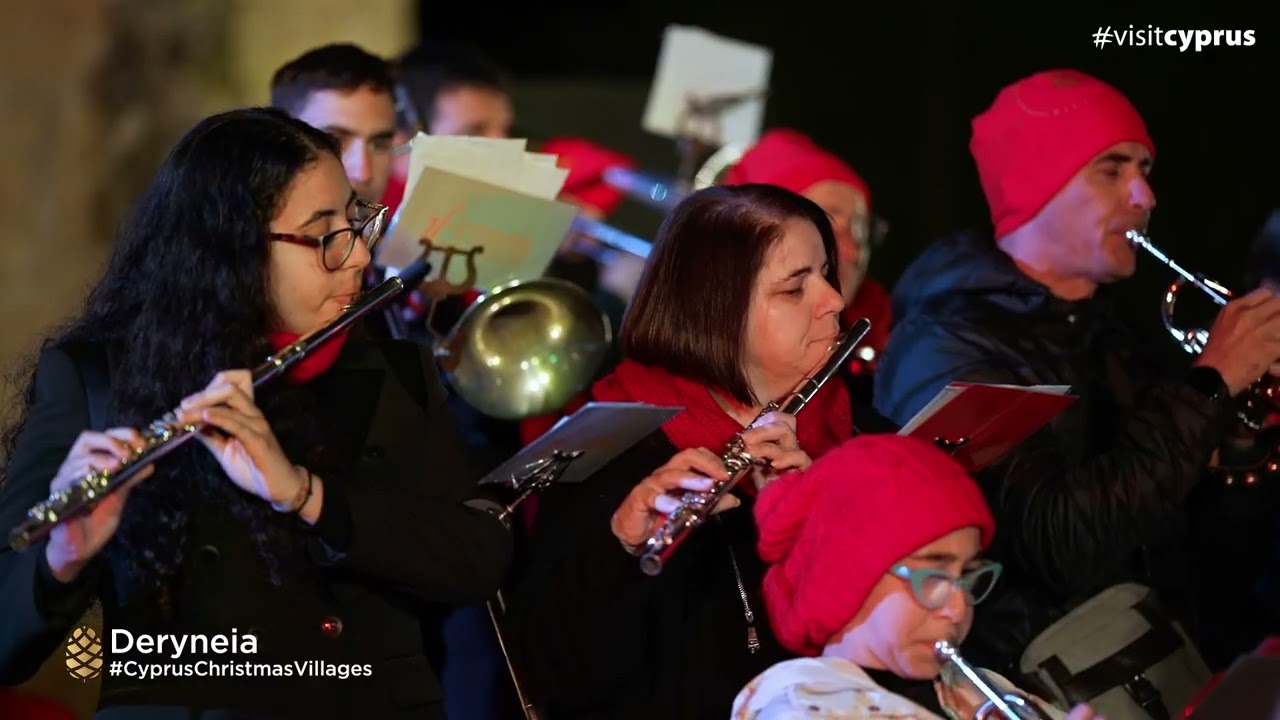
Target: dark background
[(892, 87)]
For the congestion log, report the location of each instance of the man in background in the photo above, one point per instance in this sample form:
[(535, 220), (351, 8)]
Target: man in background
[(348, 93), (447, 89)]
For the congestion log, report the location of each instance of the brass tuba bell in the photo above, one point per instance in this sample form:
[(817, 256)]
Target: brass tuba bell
[(526, 348)]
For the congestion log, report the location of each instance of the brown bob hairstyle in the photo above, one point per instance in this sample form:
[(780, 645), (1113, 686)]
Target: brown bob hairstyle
[(689, 312)]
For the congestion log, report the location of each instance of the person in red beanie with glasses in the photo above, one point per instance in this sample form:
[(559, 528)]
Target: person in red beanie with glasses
[(789, 159), (874, 556), (1096, 498)]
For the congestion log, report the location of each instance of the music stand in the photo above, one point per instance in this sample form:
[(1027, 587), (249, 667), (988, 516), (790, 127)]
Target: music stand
[(577, 446), (698, 123)]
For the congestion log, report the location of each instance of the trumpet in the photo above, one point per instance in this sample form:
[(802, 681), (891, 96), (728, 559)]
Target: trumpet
[(1256, 403), (695, 508), (1011, 706), (166, 434)]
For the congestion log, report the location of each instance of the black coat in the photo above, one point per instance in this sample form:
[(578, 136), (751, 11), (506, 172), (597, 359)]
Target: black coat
[(1098, 496), (594, 637), (394, 543)]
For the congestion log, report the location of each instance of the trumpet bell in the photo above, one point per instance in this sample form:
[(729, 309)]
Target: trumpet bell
[(1020, 706), (1191, 340), (527, 348)]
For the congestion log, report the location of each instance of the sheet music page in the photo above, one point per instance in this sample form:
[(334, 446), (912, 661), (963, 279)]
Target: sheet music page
[(497, 161), (467, 192), (696, 62), (1048, 389), (518, 234), (937, 403)]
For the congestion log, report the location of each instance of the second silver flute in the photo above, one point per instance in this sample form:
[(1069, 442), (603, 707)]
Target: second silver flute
[(696, 507)]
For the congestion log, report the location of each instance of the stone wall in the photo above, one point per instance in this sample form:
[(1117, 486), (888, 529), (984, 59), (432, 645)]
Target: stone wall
[(92, 95)]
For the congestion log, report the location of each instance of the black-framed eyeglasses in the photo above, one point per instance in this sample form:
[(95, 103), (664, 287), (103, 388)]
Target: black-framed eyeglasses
[(933, 587), (336, 247)]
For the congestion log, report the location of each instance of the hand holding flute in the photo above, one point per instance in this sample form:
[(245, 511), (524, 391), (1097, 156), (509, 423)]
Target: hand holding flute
[(772, 439), (73, 543)]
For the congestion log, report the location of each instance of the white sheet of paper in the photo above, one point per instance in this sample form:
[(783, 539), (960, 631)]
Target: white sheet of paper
[(497, 161), (465, 192), (519, 233), (700, 63), (949, 393)]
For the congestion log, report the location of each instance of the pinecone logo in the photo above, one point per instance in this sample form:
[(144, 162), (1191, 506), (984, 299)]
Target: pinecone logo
[(84, 654)]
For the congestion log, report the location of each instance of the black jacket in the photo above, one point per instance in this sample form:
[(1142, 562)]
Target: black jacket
[(1095, 498), (596, 638), (394, 543)]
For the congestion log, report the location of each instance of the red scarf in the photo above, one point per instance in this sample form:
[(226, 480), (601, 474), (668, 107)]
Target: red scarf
[(826, 421), (316, 362)]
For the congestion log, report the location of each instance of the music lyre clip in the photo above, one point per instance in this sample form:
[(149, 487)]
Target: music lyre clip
[(950, 446), (441, 287)]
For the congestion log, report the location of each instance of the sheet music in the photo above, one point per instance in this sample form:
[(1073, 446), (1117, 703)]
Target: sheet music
[(518, 233), (936, 404), (488, 193), (949, 393), (699, 63), (1047, 389)]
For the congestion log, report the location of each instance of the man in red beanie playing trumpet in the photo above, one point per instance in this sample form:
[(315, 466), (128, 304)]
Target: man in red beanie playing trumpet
[(1095, 499), (873, 558)]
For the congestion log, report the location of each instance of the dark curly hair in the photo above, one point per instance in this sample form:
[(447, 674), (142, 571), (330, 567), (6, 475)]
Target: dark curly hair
[(185, 296)]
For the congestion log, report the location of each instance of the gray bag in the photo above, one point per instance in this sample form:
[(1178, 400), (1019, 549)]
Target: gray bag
[(1120, 653)]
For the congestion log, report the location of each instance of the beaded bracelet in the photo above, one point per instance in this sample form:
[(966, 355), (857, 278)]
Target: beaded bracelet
[(307, 497)]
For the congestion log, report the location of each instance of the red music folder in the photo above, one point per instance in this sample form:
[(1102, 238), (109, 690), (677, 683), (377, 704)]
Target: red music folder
[(978, 423)]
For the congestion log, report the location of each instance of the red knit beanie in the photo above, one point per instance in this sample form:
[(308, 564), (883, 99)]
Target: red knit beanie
[(1039, 132), (830, 533), (791, 160), (587, 162)]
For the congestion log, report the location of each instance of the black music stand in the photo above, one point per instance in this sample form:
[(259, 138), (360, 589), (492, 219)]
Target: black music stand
[(577, 446), (699, 119), (571, 451)]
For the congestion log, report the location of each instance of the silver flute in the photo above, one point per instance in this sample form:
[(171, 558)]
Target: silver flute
[(696, 507), (1011, 706), (166, 434)]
